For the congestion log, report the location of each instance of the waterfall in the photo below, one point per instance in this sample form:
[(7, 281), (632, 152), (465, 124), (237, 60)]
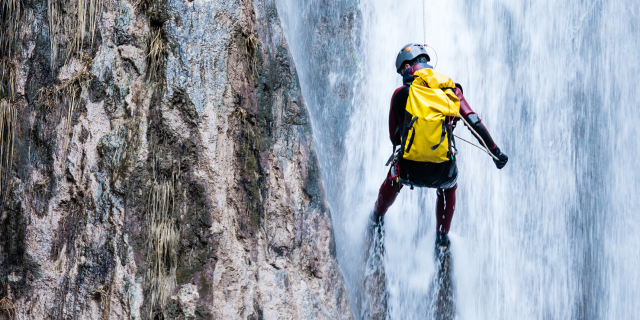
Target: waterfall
[(550, 236)]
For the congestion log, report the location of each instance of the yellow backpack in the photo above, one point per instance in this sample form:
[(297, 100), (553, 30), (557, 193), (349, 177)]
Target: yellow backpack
[(427, 132)]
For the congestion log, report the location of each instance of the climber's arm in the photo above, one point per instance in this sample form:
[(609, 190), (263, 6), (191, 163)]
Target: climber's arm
[(476, 123)]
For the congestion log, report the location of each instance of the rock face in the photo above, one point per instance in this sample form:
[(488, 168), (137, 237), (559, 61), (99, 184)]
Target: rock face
[(326, 41), (162, 166)]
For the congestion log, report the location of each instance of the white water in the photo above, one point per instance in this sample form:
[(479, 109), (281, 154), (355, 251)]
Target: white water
[(553, 234)]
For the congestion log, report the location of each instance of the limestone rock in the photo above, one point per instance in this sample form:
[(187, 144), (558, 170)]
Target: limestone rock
[(163, 168)]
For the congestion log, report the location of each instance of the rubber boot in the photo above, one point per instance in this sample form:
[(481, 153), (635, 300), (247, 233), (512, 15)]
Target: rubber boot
[(444, 303), (441, 252), (374, 232), (442, 241), (375, 220)]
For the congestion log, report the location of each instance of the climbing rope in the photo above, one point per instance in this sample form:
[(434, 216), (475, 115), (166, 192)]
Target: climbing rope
[(424, 19), (485, 149), (424, 29), (473, 144)]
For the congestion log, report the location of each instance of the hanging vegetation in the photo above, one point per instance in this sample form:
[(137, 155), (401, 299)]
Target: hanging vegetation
[(69, 22), (157, 53), (68, 93), (10, 14), (7, 309), (7, 79), (8, 121), (7, 134), (162, 243)]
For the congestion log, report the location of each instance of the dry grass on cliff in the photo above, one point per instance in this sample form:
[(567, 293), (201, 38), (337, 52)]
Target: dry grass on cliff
[(10, 13), (8, 122), (143, 4), (162, 243), (7, 308), (69, 92), (68, 21), (251, 49), (7, 79), (157, 53), (72, 91), (8, 118), (156, 41), (104, 295)]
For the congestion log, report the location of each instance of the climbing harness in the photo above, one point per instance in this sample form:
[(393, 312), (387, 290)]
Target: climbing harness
[(394, 173)]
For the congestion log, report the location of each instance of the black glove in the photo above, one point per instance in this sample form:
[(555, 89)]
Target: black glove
[(501, 156)]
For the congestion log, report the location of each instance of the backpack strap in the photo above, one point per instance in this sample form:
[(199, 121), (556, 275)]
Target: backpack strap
[(413, 120), (444, 131), (452, 140), (453, 166), (413, 135), (451, 155)]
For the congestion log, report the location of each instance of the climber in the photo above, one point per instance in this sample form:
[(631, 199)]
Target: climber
[(415, 165)]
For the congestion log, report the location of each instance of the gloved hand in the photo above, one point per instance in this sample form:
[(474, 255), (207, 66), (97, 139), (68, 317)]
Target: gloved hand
[(503, 158)]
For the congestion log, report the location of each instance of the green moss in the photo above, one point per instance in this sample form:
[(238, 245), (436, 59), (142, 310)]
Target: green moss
[(195, 228), (205, 287), (202, 314), (312, 183), (193, 265), (118, 151), (172, 310), (251, 174)]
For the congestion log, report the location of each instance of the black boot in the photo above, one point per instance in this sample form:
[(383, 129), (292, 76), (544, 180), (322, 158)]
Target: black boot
[(444, 303), (375, 221), (374, 230), (442, 244)]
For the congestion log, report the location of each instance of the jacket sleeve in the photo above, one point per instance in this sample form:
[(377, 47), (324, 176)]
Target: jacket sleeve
[(472, 118), (394, 122)]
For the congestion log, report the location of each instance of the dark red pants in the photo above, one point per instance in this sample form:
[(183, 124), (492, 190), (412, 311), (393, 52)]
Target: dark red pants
[(445, 205)]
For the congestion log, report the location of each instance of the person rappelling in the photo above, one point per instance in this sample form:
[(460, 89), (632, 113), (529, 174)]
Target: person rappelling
[(424, 112)]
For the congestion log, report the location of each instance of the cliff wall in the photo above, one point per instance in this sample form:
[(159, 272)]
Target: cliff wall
[(158, 163)]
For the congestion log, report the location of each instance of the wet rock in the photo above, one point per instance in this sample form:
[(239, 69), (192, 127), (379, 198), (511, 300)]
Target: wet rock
[(191, 194), (374, 297)]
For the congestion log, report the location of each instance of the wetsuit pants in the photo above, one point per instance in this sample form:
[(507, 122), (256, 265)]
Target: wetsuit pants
[(445, 204)]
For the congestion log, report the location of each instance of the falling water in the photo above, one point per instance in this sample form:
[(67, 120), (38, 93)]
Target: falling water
[(550, 236)]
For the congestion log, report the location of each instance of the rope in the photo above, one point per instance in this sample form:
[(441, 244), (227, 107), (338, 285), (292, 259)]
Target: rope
[(485, 149), (436, 53), (424, 19), (473, 144), (424, 29)]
